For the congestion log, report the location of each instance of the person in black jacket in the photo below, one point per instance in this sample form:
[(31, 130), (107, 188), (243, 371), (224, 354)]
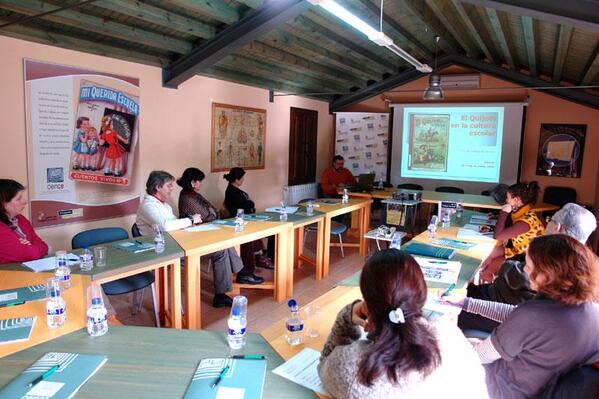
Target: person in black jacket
[(235, 198)]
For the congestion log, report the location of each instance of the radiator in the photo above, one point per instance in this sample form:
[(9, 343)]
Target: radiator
[(293, 194)]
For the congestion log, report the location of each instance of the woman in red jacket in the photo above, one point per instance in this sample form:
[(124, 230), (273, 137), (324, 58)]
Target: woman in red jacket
[(18, 240)]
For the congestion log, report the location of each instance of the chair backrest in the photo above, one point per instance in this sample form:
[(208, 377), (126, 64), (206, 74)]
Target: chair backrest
[(98, 236), (486, 193), (410, 186), (580, 383), (559, 195), (449, 189), (135, 230)]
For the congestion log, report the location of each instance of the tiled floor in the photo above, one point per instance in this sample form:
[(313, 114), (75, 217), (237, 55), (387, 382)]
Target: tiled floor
[(262, 309)]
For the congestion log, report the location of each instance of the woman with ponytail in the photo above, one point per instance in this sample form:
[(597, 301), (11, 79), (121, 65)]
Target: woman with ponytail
[(404, 355), (516, 226)]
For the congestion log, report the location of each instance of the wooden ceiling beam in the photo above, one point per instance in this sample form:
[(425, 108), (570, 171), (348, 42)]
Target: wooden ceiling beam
[(214, 9), (263, 83), (281, 72), (501, 37), (444, 12), (531, 44), (561, 51), (426, 18), (159, 16), (272, 14), (85, 22), (340, 50), (405, 39), (52, 38), (592, 68), (285, 40), (472, 30), (264, 51), (582, 14), (384, 85)]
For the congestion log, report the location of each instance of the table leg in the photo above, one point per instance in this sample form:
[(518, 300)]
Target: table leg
[(364, 226), (320, 248), (299, 246), (326, 246), (162, 303), (284, 267), (192, 290), (175, 293)]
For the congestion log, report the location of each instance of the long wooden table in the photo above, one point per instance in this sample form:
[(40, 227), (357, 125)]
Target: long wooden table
[(151, 363), (201, 243), (121, 264), (467, 200), (75, 298), (361, 207)]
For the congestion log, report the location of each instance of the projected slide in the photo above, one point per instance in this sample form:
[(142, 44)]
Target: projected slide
[(452, 143)]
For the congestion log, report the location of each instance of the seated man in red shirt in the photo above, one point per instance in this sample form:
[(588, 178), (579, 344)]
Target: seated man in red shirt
[(336, 177)]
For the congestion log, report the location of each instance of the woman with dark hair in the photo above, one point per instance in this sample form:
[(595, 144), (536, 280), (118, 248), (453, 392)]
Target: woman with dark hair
[(514, 233), (404, 354), (225, 262), (18, 240), (235, 198), (549, 335)]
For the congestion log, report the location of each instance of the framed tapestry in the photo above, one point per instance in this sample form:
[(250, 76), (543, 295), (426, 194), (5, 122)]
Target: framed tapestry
[(561, 147), (238, 137)]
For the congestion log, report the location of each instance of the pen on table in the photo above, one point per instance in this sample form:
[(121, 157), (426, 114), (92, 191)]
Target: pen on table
[(249, 357), (220, 376), (43, 377), (139, 242), (448, 291)]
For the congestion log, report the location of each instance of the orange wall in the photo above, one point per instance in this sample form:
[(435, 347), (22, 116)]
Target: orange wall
[(174, 127), (543, 108)]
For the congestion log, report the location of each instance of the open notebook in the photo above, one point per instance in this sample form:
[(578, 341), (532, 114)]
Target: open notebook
[(74, 371), (243, 380)]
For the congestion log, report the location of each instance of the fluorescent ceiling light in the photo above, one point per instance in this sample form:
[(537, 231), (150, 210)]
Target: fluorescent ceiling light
[(374, 35)]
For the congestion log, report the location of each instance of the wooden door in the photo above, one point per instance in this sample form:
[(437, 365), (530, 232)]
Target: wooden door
[(302, 146)]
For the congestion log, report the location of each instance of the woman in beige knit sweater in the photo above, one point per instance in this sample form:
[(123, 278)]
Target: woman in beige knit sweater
[(405, 355)]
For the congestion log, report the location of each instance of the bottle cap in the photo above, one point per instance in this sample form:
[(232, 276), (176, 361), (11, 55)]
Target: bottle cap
[(96, 301), (292, 303), (236, 311)]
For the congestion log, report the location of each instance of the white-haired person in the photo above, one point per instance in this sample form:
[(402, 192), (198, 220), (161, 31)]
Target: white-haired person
[(512, 284)]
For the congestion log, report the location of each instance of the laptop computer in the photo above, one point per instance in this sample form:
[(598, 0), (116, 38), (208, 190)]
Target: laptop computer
[(365, 183)]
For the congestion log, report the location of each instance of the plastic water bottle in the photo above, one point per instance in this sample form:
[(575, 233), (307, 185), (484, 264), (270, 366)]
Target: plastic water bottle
[(345, 197), (56, 313), (294, 324), (158, 239), (381, 185), (445, 220), (283, 215), (239, 221), (309, 208), (396, 241), (459, 210), (432, 227), (237, 322), (86, 260), (97, 322), (62, 271)]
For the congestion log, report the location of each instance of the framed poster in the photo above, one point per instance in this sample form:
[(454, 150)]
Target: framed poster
[(561, 148), (82, 131), (238, 137)]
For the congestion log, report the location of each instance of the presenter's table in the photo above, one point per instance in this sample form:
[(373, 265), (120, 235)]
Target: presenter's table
[(361, 206), (121, 263), (201, 243), (467, 200), (75, 298), (151, 363)]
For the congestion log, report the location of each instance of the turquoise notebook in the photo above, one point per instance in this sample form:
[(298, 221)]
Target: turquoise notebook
[(135, 246), (457, 244), (244, 379), (18, 296), (16, 330), (74, 371), (224, 222), (418, 248), (257, 218)]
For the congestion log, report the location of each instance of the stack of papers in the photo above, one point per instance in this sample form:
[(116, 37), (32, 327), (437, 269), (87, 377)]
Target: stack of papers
[(202, 227), (439, 271), (482, 219), (434, 308), (302, 369), (279, 209), (474, 234), (49, 263)]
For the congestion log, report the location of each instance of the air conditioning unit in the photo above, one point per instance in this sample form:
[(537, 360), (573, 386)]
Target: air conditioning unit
[(461, 81)]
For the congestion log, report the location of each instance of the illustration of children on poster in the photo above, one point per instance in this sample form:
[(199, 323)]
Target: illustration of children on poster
[(429, 138), (105, 135)]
